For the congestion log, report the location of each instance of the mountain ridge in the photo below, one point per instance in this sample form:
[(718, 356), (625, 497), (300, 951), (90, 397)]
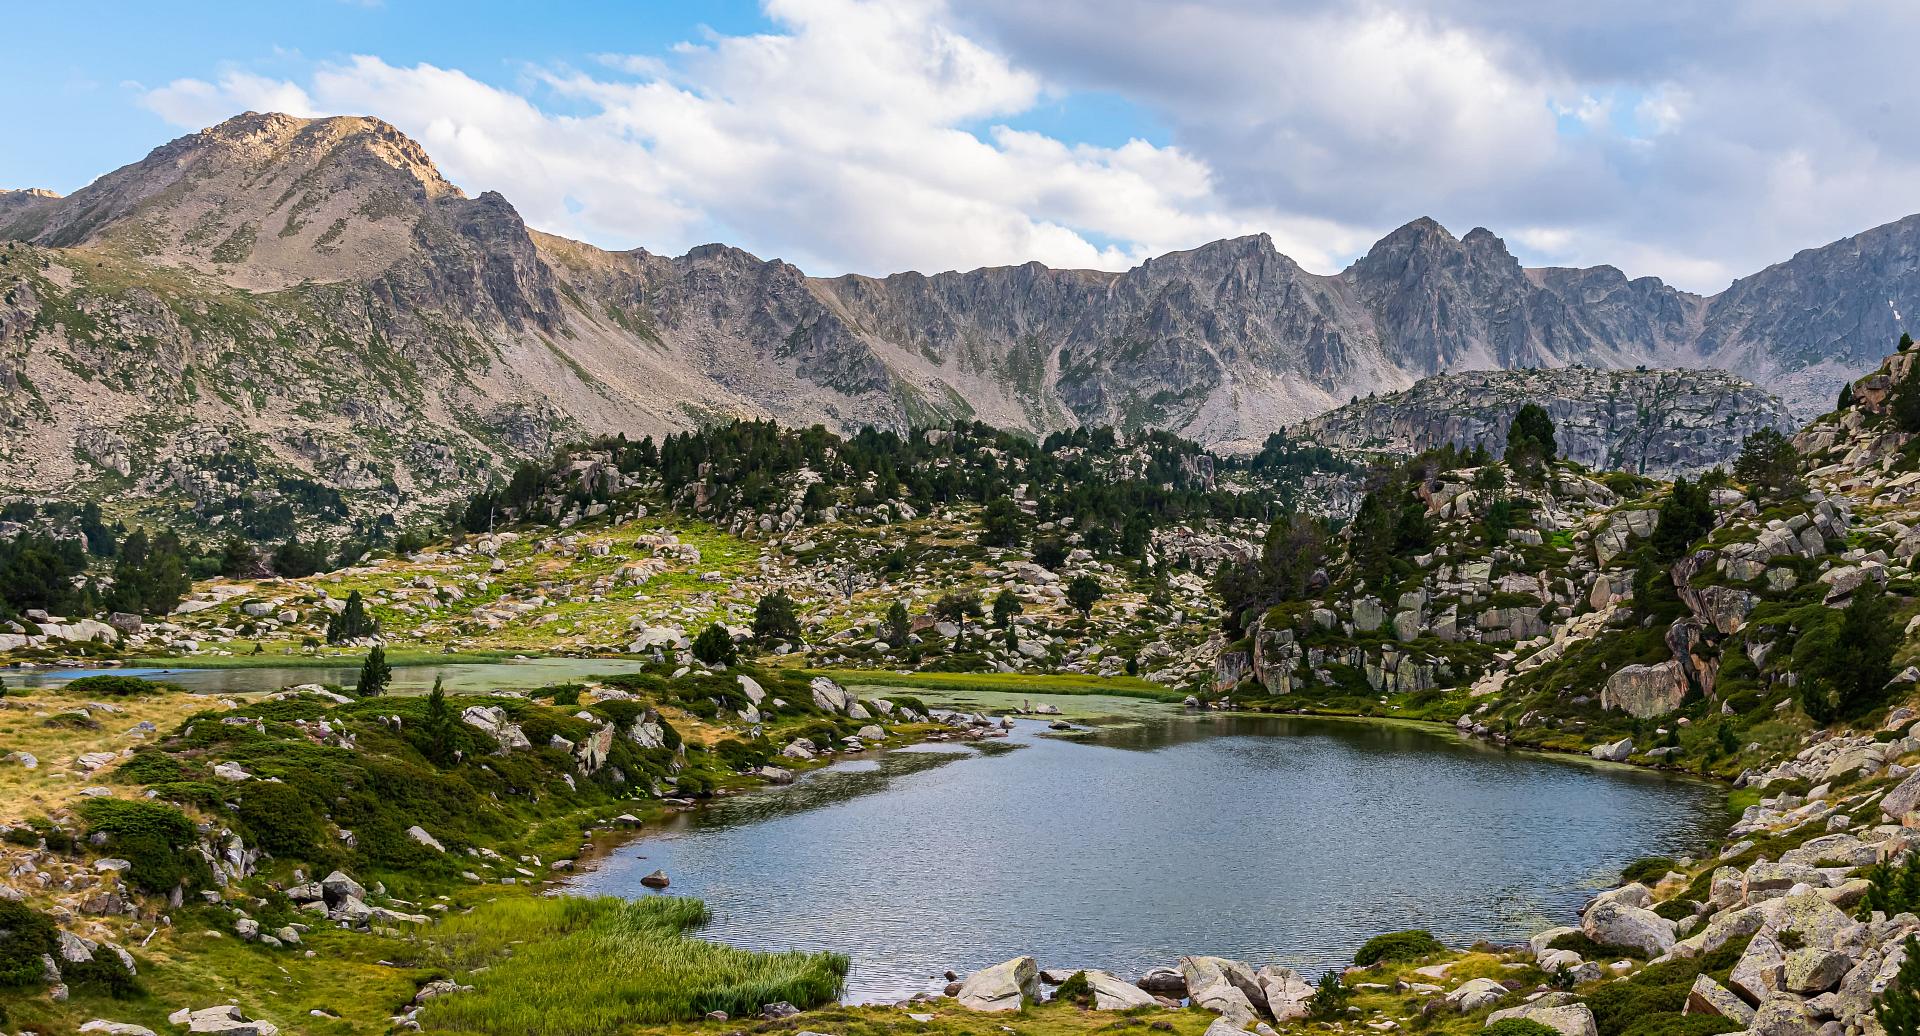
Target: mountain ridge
[(370, 303)]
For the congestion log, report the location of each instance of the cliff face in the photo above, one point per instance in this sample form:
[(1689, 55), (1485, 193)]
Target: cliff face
[(313, 296), (1652, 422)]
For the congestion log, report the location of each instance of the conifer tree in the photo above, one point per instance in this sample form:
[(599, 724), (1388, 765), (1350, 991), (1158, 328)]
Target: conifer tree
[(375, 674)]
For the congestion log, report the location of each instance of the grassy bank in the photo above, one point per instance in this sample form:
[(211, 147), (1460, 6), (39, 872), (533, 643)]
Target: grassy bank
[(582, 967), (1014, 683)]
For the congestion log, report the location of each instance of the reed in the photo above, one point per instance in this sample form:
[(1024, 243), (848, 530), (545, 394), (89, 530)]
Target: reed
[(555, 966)]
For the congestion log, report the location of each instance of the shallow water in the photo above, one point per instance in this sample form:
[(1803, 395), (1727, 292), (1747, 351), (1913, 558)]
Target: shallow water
[(1270, 839), (461, 677)]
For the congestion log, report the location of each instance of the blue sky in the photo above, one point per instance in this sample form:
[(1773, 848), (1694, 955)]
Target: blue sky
[(1669, 137)]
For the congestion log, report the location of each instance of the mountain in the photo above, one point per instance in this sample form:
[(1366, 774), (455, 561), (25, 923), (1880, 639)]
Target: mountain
[(278, 312), (1651, 422)]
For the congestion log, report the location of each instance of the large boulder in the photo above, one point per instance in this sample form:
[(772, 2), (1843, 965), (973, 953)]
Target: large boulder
[(1225, 987), (1710, 997), (1645, 691), (1474, 994), (1164, 981), (1613, 923), (830, 696), (225, 1020), (1568, 1019), (1007, 986), (1116, 994), (1286, 993), (1902, 799), (1783, 1016), (1762, 970)]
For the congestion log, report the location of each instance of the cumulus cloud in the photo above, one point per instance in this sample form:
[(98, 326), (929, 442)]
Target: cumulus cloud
[(1684, 138), (862, 136), (1680, 138)]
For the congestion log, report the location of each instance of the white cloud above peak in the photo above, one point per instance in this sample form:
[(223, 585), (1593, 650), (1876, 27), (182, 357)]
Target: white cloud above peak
[(1668, 137)]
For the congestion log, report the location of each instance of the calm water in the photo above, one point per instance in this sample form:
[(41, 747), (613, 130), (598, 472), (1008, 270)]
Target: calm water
[(1269, 839), (473, 677)]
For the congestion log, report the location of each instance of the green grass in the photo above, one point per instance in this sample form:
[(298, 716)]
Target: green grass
[(575, 967), (1029, 683)]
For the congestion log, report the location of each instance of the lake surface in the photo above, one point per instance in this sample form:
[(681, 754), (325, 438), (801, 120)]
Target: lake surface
[(461, 677), (1268, 839)]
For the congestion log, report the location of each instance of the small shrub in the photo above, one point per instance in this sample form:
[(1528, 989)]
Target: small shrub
[(1675, 909), (280, 819), (26, 935), (112, 685), (1587, 948), (148, 835), (105, 974), (1398, 946), (1649, 869), (1330, 998), (1075, 990)]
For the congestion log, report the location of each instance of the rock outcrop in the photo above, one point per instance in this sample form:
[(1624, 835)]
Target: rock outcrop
[(1652, 422)]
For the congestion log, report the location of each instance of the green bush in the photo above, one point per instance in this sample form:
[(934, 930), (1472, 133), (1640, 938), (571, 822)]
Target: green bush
[(150, 766), (26, 935), (742, 755), (281, 820), (1587, 948), (112, 685), (1649, 869), (105, 974), (150, 836), (1075, 990), (1675, 909), (1330, 998), (1398, 946)]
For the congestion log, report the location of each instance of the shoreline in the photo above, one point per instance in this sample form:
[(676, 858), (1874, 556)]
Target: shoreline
[(613, 841)]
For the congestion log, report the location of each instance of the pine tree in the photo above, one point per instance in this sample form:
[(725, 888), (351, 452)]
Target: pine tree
[(957, 608), (352, 622), (1898, 1008), (1768, 465), (1005, 606), (1083, 593), (775, 618), (439, 729), (1846, 397), (714, 646), (374, 674), (1530, 438), (899, 625)]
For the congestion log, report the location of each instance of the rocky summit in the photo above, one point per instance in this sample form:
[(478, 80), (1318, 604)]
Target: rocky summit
[(1651, 422), (292, 308)]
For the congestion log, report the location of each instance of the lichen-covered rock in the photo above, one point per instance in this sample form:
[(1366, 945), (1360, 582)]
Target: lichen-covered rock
[(1619, 924), (1007, 986)]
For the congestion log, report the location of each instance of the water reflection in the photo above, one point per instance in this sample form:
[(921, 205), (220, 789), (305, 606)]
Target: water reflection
[(1274, 839)]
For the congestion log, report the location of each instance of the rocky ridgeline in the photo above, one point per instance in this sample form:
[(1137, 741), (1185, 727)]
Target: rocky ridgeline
[(160, 325), (1652, 422)]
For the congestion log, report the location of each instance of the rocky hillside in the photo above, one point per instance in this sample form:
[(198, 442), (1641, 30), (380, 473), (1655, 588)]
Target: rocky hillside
[(276, 304), (1705, 625), (1651, 422)]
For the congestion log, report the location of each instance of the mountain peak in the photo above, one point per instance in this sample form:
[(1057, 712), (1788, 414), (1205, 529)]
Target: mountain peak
[(265, 200)]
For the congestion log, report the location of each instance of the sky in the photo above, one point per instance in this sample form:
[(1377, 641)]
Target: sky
[(1690, 140)]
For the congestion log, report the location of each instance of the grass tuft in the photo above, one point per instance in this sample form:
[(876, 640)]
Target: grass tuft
[(579, 967)]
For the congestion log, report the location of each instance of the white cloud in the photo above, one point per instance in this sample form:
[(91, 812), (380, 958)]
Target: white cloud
[(848, 141), (197, 104), (1671, 137)]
